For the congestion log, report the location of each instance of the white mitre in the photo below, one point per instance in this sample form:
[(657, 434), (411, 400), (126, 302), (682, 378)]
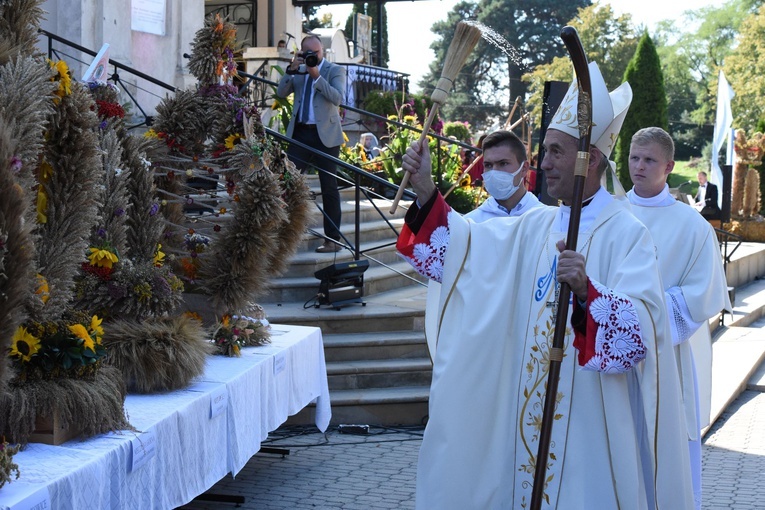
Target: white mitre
[(608, 111)]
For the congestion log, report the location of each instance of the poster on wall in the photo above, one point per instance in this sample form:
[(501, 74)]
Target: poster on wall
[(148, 16), (363, 35)]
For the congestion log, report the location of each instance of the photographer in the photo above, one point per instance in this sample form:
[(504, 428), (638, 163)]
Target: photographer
[(319, 88)]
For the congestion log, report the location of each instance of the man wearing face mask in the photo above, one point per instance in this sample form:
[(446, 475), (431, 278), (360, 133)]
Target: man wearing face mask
[(504, 177)]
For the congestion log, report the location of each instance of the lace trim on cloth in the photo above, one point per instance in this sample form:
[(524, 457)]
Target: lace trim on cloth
[(618, 345), (428, 258), (681, 328)]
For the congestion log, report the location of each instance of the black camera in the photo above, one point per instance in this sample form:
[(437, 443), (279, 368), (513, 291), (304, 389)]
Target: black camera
[(310, 58)]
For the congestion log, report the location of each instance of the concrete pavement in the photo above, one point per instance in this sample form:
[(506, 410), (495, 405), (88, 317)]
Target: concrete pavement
[(377, 471)]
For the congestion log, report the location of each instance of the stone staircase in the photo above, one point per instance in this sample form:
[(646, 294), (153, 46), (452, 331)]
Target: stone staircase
[(378, 366)]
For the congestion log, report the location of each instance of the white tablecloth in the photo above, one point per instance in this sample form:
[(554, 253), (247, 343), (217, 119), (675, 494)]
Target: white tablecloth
[(193, 449)]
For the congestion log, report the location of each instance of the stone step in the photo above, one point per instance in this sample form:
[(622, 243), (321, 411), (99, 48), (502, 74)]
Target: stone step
[(406, 405), (375, 345), (749, 304), (370, 234), (367, 211), (378, 373), (376, 279), (747, 264), (306, 263), (737, 357)]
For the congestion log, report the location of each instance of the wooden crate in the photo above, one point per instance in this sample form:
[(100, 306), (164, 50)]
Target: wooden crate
[(50, 430)]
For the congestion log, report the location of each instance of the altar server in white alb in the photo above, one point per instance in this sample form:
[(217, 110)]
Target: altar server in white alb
[(506, 167), (618, 439), (691, 269)]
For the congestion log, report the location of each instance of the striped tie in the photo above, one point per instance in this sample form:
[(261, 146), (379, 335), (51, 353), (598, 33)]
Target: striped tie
[(306, 100)]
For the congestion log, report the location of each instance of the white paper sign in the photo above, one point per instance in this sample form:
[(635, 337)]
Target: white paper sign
[(144, 448), (148, 16), (280, 361), (218, 401), (38, 500)]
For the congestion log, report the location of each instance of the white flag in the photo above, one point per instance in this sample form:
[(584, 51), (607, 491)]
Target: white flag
[(723, 124)]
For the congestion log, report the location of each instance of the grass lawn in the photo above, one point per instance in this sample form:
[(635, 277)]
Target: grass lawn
[(683, 173)]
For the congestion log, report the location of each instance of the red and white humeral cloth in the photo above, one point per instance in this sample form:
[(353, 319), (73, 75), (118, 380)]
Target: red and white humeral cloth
[(617, 399)]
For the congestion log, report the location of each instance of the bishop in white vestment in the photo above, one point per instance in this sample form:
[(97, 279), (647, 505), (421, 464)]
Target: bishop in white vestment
[(618, 439)]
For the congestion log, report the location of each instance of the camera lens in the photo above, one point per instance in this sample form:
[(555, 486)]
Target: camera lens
[(311, 59)]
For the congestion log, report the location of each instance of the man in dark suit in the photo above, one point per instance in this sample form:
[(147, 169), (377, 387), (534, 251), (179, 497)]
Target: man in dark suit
[(319, 88), (706, 198)]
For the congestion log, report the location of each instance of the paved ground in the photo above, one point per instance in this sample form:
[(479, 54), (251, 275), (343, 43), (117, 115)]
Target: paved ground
[(377, 471)]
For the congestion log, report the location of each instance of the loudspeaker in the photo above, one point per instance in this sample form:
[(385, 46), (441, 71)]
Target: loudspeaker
[(341, 283), (725, 189)]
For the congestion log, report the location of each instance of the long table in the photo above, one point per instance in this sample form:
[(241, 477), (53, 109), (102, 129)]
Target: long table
[(186, 440)]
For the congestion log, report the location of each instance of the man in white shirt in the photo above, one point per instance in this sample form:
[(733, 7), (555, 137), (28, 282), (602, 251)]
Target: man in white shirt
[(692, 273)]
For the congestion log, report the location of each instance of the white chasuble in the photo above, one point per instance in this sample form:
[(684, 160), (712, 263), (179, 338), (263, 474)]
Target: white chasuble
[(617, 440)]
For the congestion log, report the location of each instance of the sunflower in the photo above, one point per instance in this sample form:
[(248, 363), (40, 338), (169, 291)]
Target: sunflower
[(24, 344), (231, 140), (102, 258), (81, 332), (63, 78)]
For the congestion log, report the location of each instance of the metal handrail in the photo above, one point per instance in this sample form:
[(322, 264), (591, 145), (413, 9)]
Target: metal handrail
[(115, 76), (723, 236)]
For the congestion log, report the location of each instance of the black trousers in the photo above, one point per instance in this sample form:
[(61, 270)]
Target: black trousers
[(304, 159)]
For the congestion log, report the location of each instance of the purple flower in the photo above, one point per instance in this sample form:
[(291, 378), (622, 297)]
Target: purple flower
[(101, 233), (102, 125), (15, 164), (154, 209), (119, 212)]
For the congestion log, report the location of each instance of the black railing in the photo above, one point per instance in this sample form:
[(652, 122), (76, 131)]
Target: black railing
[(241, 14), (725, 238), (59, 53)]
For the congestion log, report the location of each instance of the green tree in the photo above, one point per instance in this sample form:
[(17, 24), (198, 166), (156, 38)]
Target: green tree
[(649, 102), (370, 9), (607, 39), (690, 60), (745, 70), (491, 78)]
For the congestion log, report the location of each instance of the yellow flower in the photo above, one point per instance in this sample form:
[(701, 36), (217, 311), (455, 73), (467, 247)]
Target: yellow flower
[(159, 256), (42, 288), (42, 205), (63, 77), (231, 140), (24, 344), (225, 321), (150, 134), (95, 328), (102, 258), (410, 119), (79, 331), (392, 117)]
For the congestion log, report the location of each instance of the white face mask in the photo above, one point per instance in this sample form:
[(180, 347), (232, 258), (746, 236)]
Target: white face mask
[(501, 185)]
